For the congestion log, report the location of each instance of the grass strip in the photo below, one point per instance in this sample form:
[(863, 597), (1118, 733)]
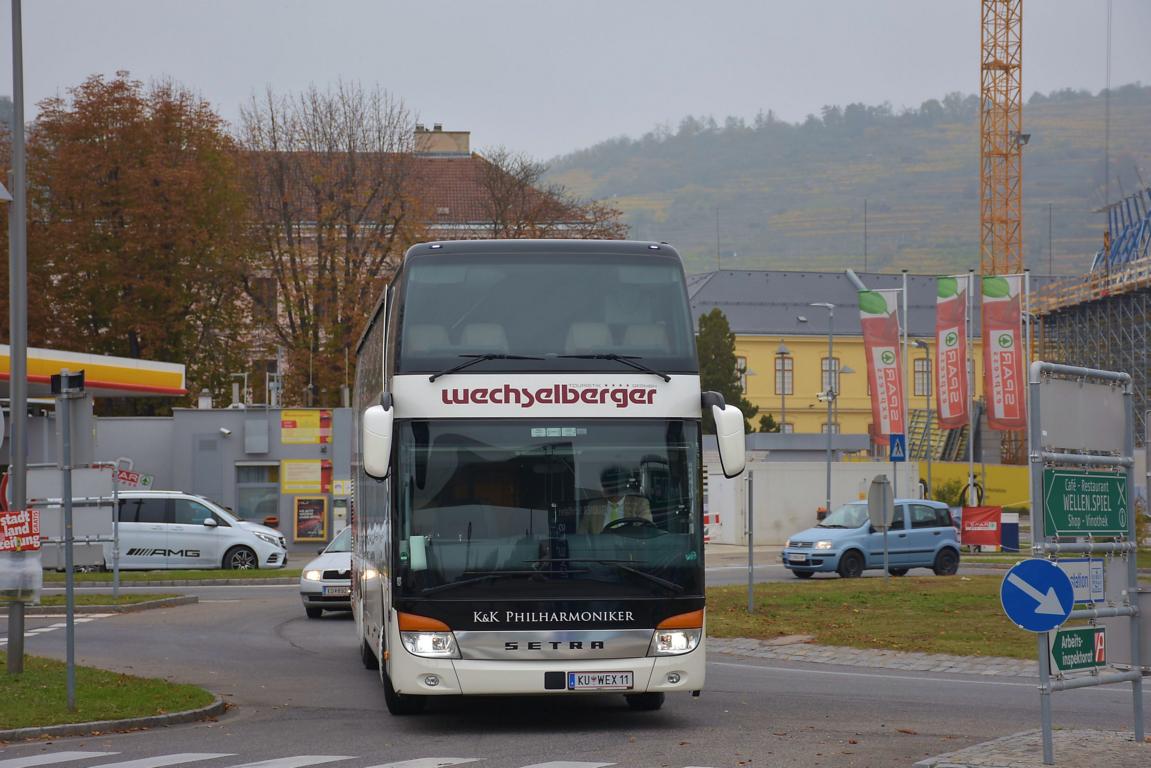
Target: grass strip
[(39, 696), (930, 614), (87, 598), (127, 577)]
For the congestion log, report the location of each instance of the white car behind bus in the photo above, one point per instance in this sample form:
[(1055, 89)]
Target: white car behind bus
[(172, 529)]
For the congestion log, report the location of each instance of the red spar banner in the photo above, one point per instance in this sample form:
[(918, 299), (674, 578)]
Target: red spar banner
[(982, 526), (951, 351), (879, 316), (1004, 358)]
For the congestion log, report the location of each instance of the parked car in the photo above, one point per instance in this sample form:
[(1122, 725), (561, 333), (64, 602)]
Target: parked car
[(172, 529), (326, 582), (921, 535)]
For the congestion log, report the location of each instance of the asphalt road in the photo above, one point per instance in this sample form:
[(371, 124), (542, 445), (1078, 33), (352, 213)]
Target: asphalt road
[(301, 696)]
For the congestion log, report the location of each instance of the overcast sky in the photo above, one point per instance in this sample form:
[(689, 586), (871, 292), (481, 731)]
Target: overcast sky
[(547, 77)]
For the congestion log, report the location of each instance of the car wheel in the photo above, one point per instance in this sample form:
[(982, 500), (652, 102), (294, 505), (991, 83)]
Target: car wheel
[(240, 559), (313, 613), (367, 657), (803, 574), (400, 703), (946, 562), (851, 565), (644, 702), (897, 571)]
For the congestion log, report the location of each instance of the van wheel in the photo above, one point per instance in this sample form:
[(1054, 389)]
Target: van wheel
[(644, 702), (367, 656), (402, 704), (946, 563), (240, 559), (313, 613), (851, 565)]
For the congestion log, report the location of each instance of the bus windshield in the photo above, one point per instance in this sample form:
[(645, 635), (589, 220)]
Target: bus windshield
[(561, 308), (557, 509)]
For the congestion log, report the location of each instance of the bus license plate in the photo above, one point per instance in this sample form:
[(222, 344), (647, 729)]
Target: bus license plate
[(337, 591), (600, 681)]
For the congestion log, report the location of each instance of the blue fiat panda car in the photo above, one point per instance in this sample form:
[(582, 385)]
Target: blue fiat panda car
[(920, 536)]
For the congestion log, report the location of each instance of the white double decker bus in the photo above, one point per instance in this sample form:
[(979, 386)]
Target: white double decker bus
[(527, 512)]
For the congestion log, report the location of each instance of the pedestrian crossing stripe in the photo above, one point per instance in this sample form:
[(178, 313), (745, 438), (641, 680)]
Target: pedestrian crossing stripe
[(293, 761)]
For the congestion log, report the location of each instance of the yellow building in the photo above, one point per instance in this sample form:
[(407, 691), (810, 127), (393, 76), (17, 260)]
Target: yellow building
[(782, 342)]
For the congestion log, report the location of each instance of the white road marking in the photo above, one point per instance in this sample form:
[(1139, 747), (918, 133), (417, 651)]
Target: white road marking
[(568, 764), (296, 761), (430, 762), (49, 759), (908, 678), (162, 760)]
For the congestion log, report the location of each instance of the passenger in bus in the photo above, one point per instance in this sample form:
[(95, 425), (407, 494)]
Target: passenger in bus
[(618, 502)]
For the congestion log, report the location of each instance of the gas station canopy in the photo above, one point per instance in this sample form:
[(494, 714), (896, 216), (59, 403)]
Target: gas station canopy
[(104, 376)]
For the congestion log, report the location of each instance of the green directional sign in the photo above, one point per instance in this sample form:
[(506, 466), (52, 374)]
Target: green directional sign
[(1077, 503), (1079, 648)]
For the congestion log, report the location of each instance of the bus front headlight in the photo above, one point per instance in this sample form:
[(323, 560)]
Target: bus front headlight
[(427, 637), (435, 645), (677, 634), (672, 642)]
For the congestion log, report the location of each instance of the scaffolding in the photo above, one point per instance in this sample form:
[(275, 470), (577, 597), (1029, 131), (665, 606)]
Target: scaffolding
[(1108, 330)]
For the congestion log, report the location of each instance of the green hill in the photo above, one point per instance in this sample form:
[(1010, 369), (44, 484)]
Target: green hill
[(791, 195)]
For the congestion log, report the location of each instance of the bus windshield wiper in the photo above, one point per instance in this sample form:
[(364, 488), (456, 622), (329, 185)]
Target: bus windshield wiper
[(628, 360), (621, 564), (494, 575), (473, 359)]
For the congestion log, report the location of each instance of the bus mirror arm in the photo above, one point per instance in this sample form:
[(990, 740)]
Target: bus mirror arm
[(376, 438)]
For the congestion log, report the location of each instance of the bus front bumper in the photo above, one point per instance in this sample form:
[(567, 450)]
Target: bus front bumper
[(437, 677)]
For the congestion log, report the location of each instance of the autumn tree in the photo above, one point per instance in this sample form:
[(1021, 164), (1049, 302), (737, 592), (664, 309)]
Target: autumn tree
[(135, 231), (518, 203), (330, 180), (718, 371)]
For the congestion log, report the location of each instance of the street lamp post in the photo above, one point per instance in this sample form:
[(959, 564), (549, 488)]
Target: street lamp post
[(830, 386), (927, 356), (781, 354)]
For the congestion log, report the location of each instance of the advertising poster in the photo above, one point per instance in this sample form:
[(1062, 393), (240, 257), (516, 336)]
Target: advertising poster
[(982, 526), (951, 351), (1004, 358), (310, 518), (879, 317), (305, 476), (311, 426)]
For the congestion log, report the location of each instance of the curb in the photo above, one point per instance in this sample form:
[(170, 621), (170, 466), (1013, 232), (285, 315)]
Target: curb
[(147, 605), (178, 583), (215, 709)]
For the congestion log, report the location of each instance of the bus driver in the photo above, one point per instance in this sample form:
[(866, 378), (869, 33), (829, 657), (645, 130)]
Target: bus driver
[(616, 503)]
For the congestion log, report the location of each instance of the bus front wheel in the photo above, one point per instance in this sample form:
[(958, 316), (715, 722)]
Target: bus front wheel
[(645, 702), (399, 703)]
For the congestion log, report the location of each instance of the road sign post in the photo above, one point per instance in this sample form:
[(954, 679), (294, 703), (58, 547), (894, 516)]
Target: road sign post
[(1081, 447), (881, 509)]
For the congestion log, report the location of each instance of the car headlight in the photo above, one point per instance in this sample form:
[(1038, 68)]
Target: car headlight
[(790, 543), (436, 645), (824, 544), (267, 537), (672, 642), (313, 575)]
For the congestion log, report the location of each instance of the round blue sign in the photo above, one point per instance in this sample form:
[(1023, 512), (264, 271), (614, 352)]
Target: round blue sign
[(1037, 595)]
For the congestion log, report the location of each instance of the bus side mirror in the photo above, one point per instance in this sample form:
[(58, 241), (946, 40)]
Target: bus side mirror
[(729, 436), (376, 439)]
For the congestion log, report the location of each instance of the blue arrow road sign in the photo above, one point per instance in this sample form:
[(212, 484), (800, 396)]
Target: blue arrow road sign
[(1037, 595), (898, 447)]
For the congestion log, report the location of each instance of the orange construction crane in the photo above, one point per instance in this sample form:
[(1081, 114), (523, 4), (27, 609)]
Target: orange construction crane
[(1001, 138)]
